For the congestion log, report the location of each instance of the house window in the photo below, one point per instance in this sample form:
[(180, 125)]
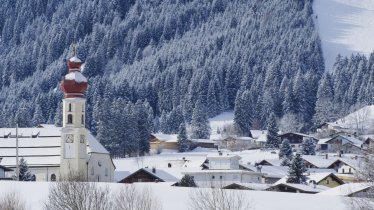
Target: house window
[(213, 177), (53, 177), (69, 107), (220, 177), (70, 119), (349, 170), (106, 171), (82, 119), (343, 170), (327, 181), (92, 170)]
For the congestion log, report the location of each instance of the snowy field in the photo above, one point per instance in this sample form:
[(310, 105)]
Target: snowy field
[(345, 27), (173, 198)]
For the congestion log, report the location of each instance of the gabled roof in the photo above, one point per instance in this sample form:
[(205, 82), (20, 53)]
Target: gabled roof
[(159, 174), (303, 188), (298, 134), (269, 171), (318, 177), (247, 186), (271, 162), (348, 189), (354, 141)]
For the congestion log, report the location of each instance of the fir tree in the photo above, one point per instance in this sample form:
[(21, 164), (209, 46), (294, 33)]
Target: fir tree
[(38, 116), (243, 112), (187, 181), (200, 124), (24, 172), (182, 139), (296, 171), (285, 162), (272, 134), (308, 147), (285, 150)]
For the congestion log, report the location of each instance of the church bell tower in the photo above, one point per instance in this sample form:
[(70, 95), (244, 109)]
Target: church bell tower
[(74, 133)]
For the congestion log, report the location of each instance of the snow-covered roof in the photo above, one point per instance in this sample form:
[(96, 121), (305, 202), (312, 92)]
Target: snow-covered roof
[(270, 171), (166, 137), (220, 171), (75, 59), (322, 162), (252, 186), (223, 156), (317, 177), (41, 149), (347, 189), (303, 187), (203, 141), (77, 76), (323, 141), (178, 162)]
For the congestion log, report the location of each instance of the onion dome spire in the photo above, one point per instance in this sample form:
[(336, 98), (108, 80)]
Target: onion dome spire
[(74, 84)]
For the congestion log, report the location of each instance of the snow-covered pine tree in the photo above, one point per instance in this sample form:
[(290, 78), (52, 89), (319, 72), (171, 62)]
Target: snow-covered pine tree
[(243, 113), (58, 115), (285, 150), (38, 118), (272, 140), (182, 138), (24, 172), (296, 170), (308, 147), (187, 181), (285, 162), (200, 125)]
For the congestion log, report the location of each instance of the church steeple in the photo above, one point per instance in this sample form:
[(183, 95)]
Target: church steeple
[(74, 133)]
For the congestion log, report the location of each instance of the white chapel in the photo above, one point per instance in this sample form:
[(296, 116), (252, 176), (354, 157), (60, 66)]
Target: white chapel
[(51, 152)]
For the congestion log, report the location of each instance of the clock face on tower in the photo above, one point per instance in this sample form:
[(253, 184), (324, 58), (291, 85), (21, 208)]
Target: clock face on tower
[(81, 139), (69, 138)]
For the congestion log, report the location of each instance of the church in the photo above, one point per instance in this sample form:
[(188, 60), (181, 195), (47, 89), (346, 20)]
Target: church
[(52, 152)]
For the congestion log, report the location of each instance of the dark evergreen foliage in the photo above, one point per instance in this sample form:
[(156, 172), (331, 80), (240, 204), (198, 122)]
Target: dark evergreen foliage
[(24, 172), (272, 139), (296, 171), (183, 145), (308, 147), (187, 181), (285, 150)]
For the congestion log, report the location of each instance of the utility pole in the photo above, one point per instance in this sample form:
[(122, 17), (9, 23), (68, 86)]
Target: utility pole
[(17, 166)]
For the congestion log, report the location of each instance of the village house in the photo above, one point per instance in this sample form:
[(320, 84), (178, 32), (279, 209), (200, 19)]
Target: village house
[(223, 170), (359, 190), (297, 188), (344, 144), (160, 141), (295, 139), (325, 179), (149, 175)]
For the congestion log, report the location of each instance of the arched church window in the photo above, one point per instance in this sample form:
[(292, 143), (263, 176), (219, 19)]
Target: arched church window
[(70, 119), (83, 108), (92, 170), (106, 171), (53, 177), (69, 107), (82, 119)]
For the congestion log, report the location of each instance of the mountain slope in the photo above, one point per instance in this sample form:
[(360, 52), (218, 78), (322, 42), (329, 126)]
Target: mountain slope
[(345, 27)]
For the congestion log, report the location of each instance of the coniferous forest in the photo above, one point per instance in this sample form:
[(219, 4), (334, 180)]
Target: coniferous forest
[(154, 65)]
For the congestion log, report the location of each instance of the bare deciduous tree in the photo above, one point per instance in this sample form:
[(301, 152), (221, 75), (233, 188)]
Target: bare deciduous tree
[(218, 199), (130, 197), (12, 201), (365, 173), (73, 193)]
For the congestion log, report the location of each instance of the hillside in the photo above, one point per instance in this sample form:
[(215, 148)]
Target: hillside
[(173, 54), (345, 27)]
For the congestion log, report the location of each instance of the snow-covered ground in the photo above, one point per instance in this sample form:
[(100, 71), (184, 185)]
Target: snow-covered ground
[(220, 121), (177, 197), (345, 27), (362, 119)]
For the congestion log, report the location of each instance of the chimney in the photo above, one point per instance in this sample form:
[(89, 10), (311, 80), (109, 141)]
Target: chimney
[(154, 170), (327, 156), (259, 167)]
